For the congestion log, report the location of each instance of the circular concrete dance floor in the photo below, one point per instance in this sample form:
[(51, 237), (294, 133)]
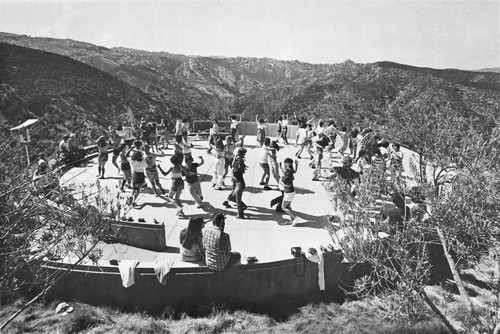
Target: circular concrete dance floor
[(262, 234)]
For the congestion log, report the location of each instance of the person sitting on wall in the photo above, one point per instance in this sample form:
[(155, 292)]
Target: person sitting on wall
[(77, 153), (191, 239), (44, 182), (217, 245), (66, 156)]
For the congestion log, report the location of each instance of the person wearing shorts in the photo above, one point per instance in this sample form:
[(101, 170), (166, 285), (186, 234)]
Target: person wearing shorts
[(115, 142), (138, 165), (177, 182), (288, 189), (126, 170), (152, 171), (102, 157)]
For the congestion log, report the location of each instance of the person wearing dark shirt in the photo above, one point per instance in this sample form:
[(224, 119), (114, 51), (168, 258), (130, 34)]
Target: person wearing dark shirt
[(288, 189), (191, 172), (217, 245), (145, 132), (239, 185), (347, 174)]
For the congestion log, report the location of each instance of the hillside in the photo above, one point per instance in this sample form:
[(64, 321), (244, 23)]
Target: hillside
[(203, 86), (67, 95)]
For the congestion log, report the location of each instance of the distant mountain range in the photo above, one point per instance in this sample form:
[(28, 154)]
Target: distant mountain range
[(81, 83), (492, 69)]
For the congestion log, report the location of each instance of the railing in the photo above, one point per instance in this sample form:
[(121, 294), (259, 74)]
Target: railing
[(244, 128)]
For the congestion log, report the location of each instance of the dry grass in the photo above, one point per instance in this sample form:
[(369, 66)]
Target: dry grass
[(351, 317)]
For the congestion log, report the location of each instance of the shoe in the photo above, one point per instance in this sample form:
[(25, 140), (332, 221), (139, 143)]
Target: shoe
[(241, 217), (163, 191), (262, 183), (267, 188), (213, 185), (226, 204), (201, 197), (288, 222), (315, 179), (102, 177)]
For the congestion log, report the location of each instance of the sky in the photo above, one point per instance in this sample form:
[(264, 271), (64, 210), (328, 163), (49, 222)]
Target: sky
[(462, 34)]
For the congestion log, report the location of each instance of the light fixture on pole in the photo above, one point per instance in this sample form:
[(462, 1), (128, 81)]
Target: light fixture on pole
[(25, 126)]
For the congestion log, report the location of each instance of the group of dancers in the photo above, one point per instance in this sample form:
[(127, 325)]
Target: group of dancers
[(138, 153)]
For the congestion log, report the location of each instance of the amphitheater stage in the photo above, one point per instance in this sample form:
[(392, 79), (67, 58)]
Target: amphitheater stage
[(263, 234)]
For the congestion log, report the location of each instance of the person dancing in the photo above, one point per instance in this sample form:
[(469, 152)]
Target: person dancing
[(261, 130), (273, 160), (191, 171), (152, 171), (239, 168), (138, 165), (288, 188), (115, 141), (217, 179), (177, 182), (264, 158), (214, 133)]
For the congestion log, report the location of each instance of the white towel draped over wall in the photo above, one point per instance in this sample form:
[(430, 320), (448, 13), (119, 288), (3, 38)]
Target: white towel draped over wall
[(127, 272)]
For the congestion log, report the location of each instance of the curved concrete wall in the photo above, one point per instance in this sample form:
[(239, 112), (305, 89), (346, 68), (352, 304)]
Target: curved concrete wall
[(293, 281)]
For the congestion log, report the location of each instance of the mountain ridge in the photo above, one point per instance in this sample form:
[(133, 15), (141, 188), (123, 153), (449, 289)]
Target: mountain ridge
[(201, 87)]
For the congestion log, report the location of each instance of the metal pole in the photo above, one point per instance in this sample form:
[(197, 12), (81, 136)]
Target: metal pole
[(27, 143), (27, 154)]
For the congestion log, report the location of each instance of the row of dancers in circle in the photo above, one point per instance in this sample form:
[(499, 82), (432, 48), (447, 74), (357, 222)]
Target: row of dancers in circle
[(139, 162)]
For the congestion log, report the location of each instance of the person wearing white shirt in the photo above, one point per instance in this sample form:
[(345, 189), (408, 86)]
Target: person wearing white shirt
[(138, 166), (234, 126)]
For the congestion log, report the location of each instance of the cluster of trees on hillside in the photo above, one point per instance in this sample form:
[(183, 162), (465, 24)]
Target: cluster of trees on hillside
[(46, 226), (459, 182)]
